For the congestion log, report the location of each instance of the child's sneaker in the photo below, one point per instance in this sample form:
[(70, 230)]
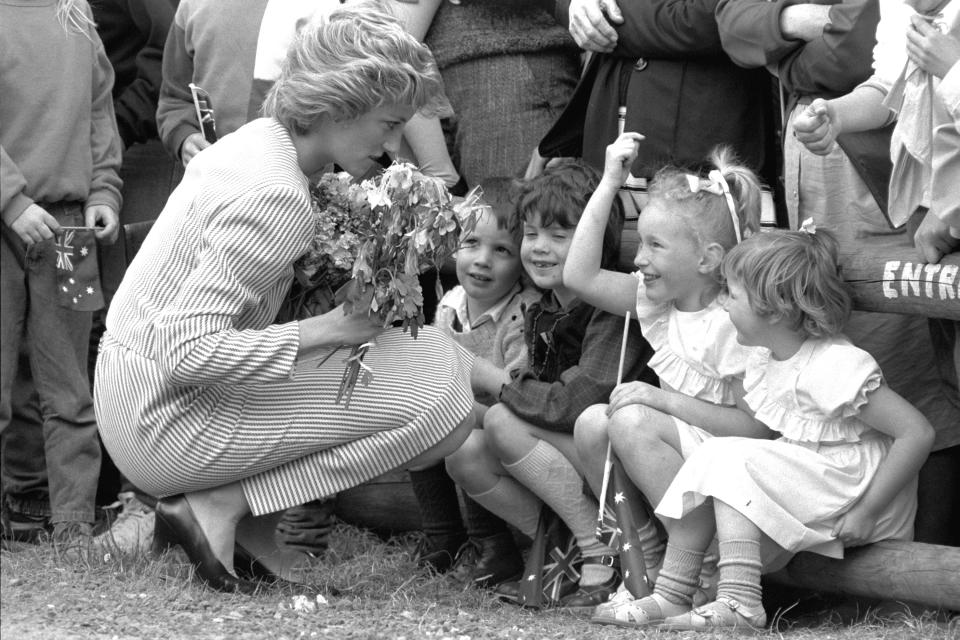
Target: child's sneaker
[(71, 540), (132, 532), (23, 527)]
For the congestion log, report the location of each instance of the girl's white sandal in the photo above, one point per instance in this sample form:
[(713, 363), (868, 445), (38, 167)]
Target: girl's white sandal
[(723, 613), (635, 613)]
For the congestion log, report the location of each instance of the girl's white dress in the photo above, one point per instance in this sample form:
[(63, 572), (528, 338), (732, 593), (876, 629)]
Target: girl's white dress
[(795, 488), (695, 353)]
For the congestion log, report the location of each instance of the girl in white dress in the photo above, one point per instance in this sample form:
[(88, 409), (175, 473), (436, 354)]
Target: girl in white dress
[(842, 473), (685, 230)]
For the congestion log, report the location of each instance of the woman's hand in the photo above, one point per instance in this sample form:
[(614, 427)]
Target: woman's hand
[(636, 393), (620, 156), (932, 51), (336, 328)]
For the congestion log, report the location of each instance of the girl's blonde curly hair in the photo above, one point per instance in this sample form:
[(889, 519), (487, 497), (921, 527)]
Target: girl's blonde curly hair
[(793, 275)]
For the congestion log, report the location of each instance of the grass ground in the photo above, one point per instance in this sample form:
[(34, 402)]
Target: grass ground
[(45, 595)]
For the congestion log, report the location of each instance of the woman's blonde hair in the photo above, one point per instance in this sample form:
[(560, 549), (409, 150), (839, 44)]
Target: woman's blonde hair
[(705, 213), (793, 275), (355, 60)]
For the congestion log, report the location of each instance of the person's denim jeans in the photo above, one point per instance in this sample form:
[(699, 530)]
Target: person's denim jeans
[(21, 447), (58, 340)]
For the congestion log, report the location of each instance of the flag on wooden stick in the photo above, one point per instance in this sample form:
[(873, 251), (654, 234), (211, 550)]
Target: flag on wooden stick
[(78, 276)]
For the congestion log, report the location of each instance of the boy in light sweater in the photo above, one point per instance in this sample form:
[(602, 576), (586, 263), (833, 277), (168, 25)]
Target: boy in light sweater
[(484, 313)]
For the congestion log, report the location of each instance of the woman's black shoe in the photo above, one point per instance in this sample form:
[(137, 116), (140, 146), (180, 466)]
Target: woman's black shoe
[(176, 525), (588, 597)]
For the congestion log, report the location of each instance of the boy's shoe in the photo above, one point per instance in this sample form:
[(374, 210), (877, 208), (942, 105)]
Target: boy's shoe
[(72, 540), (23, 527), (307, 528), (132, 532), (486, 562), (438, 552)]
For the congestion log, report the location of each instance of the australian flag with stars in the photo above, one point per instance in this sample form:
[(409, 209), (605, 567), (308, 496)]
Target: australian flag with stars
[(78, 276)]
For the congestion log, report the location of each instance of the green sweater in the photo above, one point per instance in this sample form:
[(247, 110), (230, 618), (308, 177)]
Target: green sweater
[(58, 139)]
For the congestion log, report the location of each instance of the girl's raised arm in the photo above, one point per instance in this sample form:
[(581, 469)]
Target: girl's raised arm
[(611, 291), (913, 437)]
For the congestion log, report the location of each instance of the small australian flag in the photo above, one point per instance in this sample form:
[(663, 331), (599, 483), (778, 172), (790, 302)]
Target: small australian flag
[(78, 276)]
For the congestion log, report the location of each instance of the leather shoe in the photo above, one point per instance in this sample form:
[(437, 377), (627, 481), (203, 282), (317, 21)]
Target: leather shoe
[(438, 552), (587, 597), (508, 591), (177, 525), (486, 562)]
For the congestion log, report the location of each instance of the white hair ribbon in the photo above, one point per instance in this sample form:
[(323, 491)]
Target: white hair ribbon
[(807, 226), (717, 185)]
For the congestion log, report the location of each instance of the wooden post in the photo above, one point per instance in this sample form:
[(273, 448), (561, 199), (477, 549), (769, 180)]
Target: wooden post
[(925, 574), (886, 275)]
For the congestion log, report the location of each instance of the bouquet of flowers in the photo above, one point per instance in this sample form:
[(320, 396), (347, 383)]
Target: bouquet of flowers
[(372, 241)]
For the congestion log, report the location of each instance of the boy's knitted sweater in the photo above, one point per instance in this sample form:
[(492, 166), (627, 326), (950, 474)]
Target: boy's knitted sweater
[(496, 336), (480, 28)]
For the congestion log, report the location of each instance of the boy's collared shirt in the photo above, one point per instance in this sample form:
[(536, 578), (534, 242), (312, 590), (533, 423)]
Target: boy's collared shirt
[(496, 336), (456, 299)]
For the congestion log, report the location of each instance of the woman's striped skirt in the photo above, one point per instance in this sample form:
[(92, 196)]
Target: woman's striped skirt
[(288, 442)]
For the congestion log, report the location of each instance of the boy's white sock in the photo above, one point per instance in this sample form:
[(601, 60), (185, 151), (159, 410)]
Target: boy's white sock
[(551, 476)]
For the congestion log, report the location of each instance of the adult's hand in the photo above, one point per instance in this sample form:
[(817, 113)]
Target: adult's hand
[(105, 222), (590, 24), (192, 145), (804, 21), (817, 126), (933, 240), (336, 328), (35, 225), (932, 51)]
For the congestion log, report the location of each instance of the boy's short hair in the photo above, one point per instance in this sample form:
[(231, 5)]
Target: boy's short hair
[(354, 60), (560, 194), (498, 196)]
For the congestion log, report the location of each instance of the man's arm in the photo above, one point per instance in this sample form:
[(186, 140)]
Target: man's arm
[(136, 107)]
